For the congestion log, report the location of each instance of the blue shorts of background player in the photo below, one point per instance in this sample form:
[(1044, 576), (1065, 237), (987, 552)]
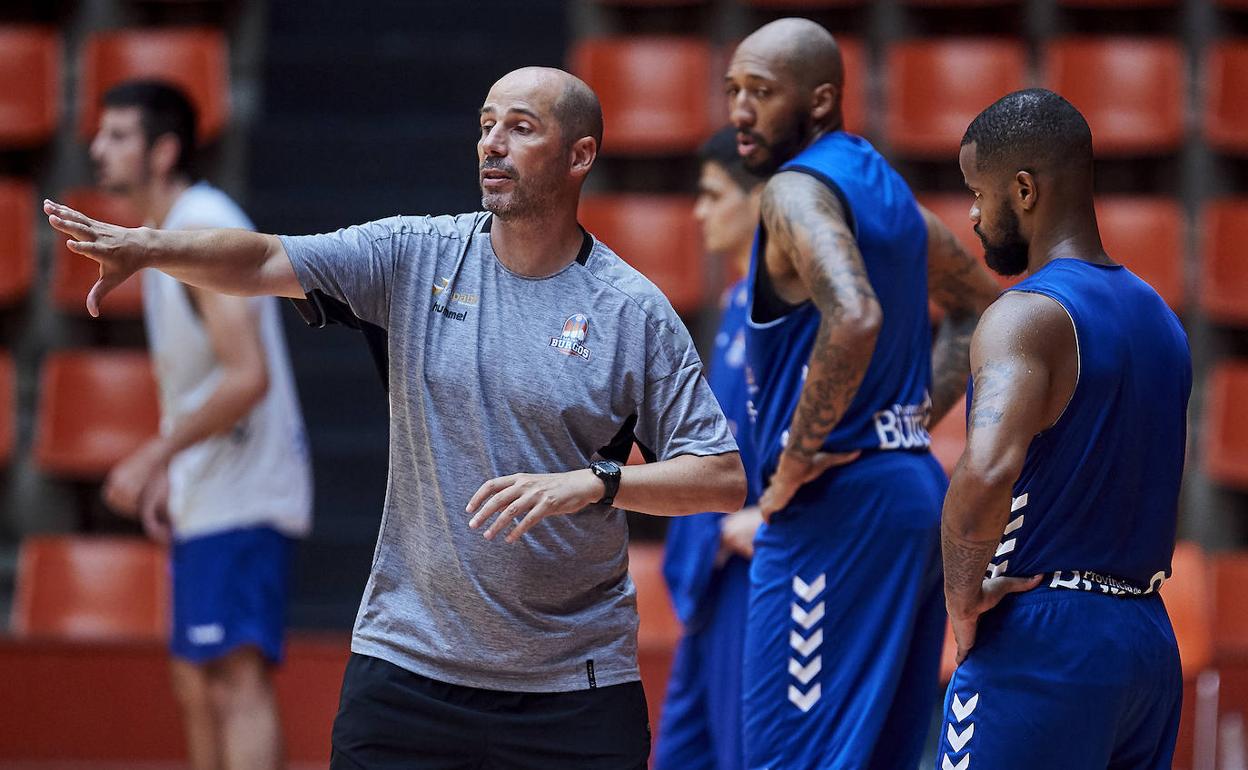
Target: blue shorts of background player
[(1062, 678), (230, 590)]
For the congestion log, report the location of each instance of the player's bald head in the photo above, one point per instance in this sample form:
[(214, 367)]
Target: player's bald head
[(800, 48), (567, 99)]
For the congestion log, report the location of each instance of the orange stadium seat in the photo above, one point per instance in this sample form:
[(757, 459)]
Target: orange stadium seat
[(1112, 4), (81, 587), (17, 240), (1189, 596), (655, 234), (1226, 108), (655, 91), (1224, 272), (1230, 612), (96, 407), (854, 102), (73, 275), (1146, 235), (8, 408), (30, 85), (937, 87), (800, 4), (1226, 424), (660, 630), (1129, 89), (195, 59)]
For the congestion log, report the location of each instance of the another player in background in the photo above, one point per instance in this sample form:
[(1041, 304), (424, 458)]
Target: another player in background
[(706, 561), (1070, 478), (228, 480), (846, 612)]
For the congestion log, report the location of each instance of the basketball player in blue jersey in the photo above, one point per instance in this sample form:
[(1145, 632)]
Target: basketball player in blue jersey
[(706, 561), (846, 612), (1070, 479)]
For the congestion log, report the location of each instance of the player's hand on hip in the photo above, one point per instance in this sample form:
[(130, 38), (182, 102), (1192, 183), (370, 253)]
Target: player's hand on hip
[(124, 486), (120, 251), (737, 531), (154, 508), (795, 470), (527, 498), (966, 624)]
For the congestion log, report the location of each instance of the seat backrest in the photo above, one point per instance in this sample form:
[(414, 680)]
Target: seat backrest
[(855, 106), (1226, 105), (937, 87), (17, 240), (1130, 90), (656, 234), (1146, 235), (96, 408), (1188, 597), (1224, 271), (659, 625), (1226, 424), (73, 275), (82, 587), (30, 85), (193, 58), (1230, 611), (655, 91)]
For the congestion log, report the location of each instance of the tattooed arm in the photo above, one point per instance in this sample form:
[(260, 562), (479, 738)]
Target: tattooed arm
[(1025, 362), (811, 254), (963, 289)]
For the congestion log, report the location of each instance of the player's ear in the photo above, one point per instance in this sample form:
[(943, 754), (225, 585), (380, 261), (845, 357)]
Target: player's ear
[(825, 102), (584, 151), (1025, 190)]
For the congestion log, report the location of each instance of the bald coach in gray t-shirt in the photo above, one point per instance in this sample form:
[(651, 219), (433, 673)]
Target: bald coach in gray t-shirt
[(492, 373), (498, 628)]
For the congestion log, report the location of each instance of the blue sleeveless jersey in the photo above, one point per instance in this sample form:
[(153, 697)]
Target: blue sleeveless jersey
[(1098, 493), (891, 408)]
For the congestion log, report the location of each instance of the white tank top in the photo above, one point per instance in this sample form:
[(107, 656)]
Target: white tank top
[(258, 473)]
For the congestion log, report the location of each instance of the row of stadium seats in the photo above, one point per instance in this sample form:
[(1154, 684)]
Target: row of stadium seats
[(795, 5), (30, 76), (657, 92), (92, 589)]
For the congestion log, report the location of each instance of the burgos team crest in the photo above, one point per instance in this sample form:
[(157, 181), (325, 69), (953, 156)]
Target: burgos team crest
[(571, 340)]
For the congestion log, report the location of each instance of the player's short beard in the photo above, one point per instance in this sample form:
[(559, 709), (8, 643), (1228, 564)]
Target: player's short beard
[(530, 195), (780, 150), (1009, 256)]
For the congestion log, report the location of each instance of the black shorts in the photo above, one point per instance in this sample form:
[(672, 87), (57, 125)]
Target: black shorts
[(389, 717)]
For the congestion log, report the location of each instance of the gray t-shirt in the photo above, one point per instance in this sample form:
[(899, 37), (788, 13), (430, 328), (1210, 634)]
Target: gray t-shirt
[(493, 373)]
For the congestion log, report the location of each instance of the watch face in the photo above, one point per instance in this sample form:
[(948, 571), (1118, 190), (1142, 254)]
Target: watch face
[(607, 466)]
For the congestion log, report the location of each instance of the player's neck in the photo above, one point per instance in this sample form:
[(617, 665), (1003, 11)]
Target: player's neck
[(1074, 239), (155, 199), (537, 247)]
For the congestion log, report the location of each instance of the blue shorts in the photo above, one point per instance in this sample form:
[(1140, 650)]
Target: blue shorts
[(700, 727), (1069, 679), (229, 590), (847, 619)]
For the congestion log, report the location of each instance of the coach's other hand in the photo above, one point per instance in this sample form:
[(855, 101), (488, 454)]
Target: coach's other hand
[(531, 497), (119, 250)]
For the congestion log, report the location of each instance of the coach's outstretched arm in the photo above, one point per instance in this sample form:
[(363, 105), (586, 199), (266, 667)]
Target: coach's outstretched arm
[(1015, 351), (225, 261)]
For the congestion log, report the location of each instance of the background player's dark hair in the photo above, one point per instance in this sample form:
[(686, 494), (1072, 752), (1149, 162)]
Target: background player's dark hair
[(721, 149), (163, 109), (579, 113), (1030, 129)]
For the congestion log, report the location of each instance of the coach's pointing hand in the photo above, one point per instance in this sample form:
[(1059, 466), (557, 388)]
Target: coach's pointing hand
[(119, 250), (531, 497)]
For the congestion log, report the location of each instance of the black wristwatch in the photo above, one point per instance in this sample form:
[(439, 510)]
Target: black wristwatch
[(609, 472)]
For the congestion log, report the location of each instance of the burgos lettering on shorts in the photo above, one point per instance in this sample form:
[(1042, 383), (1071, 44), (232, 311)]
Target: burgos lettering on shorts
[(571, 340), (1089, 580), (904, 426)]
